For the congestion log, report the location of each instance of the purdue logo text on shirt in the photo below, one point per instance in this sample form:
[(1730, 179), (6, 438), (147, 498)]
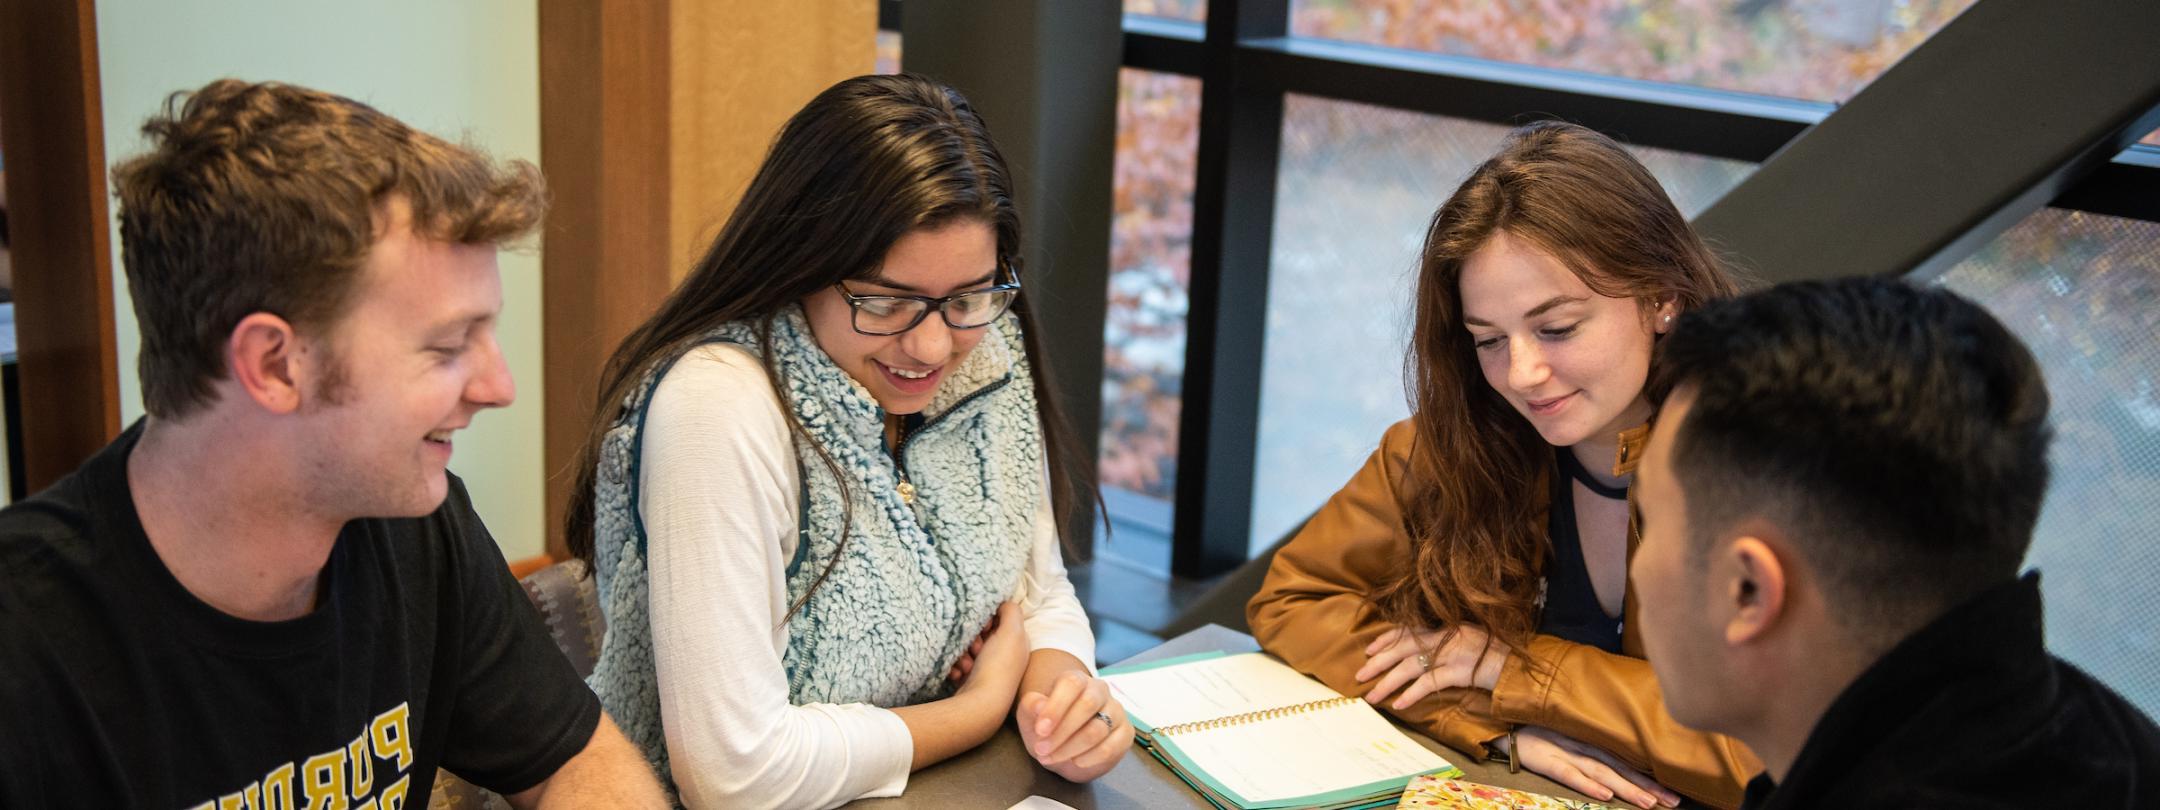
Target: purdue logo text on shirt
[(341, 778)]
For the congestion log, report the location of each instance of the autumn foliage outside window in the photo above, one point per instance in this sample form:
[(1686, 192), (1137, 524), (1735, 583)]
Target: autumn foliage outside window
[(1822, 50), (1150, 271), (1194, 10)]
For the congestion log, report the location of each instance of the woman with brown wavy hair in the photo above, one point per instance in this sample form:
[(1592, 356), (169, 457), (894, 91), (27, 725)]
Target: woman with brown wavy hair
[(1472, 577)]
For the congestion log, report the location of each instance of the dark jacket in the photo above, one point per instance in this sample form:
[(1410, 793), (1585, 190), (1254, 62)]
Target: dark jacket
[(1972, 712)]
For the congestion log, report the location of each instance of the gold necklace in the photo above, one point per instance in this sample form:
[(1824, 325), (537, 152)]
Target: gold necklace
[(898, 426)]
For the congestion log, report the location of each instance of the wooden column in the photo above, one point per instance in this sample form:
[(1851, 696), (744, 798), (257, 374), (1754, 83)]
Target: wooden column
[(53, 136), (654, 114)]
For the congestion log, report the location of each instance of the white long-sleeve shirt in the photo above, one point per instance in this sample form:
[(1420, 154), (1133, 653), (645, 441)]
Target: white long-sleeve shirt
[(719, 495)]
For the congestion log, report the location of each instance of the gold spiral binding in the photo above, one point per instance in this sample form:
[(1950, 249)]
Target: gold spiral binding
[(1251, 717)]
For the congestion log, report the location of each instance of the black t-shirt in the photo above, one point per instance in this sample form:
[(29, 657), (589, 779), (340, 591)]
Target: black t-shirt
[(119, 688)]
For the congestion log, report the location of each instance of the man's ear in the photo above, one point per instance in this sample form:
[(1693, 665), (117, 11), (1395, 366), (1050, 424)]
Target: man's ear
[(263, 353), (1755, 582)]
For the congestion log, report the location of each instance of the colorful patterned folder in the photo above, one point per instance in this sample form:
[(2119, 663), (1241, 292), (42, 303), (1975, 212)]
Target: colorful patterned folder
[(1436, 793)]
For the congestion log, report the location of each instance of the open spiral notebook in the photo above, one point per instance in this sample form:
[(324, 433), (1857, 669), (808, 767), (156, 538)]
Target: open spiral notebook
[(1249, 732)]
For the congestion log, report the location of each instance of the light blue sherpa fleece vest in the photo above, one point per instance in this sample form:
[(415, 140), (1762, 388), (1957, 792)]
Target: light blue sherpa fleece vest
[(914, 582)]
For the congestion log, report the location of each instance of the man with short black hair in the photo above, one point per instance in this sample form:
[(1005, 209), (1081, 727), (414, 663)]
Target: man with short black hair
[(269, 593), (1841, 485)]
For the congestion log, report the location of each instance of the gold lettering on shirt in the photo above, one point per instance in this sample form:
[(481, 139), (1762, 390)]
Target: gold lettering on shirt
[(247, 798), (277, 788), (342, 778), (325, 785), (391, 738), (362, 778), (393, 797)]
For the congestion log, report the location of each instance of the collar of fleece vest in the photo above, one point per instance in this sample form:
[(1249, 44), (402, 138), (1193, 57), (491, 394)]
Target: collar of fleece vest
[(999, 358)]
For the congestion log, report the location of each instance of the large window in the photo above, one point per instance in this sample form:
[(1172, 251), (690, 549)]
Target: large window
[(2083, 291), (1144, 327), (1821, 50), (1299, 272), (1194, 10), (888, 52)]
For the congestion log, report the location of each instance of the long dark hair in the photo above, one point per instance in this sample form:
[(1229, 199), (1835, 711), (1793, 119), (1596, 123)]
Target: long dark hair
[(869, 160), (1470, 501)]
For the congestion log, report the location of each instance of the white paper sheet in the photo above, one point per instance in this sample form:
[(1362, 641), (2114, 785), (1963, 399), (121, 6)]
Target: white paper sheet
[(1040, 803), (1307, 753), (1212, 688), (1342, 745)]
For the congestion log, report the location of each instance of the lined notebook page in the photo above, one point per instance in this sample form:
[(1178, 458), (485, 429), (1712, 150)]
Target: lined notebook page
[(1308, 753), (1214, 688), (1339, 743)]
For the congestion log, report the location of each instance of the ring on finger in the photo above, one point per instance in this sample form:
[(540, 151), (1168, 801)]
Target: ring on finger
[(1424, 662), (1106, 721)]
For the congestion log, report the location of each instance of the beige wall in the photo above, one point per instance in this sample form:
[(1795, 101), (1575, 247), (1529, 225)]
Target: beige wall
[(462, 69)]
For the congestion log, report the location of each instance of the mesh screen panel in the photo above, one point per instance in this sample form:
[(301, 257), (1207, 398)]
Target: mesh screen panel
[(2083, 292)]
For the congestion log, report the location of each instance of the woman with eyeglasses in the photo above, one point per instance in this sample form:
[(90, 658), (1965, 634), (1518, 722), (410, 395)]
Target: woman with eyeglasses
[(823, 493), (1472, 577)]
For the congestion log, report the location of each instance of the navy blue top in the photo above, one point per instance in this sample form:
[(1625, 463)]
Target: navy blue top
[(1571, 607)]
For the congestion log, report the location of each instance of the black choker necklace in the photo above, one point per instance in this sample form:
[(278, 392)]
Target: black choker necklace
[(1573, 467)]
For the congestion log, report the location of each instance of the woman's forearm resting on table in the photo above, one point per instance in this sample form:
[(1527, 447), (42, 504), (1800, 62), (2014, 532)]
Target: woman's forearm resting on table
[(945, 728)]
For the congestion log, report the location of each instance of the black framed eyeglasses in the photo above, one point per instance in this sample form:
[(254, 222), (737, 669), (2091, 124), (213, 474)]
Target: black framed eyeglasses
[(885, 315)]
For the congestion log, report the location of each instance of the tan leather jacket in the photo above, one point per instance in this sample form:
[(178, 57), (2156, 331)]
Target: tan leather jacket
[(1313, 613)]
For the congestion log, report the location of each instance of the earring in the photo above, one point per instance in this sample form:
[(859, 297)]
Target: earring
[(1668, 319)]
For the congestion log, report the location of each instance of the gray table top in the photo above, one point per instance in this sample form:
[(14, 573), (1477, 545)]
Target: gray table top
[(999, 773)]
